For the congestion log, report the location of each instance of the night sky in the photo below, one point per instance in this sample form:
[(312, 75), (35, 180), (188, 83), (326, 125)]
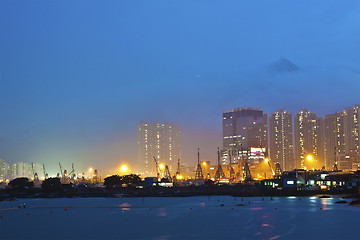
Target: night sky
[(76, 77)]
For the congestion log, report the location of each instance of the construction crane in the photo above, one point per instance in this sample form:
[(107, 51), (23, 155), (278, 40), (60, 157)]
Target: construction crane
[(198, 174), (278, 170), (45, 174), (178, 173), (219, 171), (32, 168), (231, 169), (61, 172), (246, 169), (158, 170), (36, 177), (268, 161), (167, 175), (71, 175)]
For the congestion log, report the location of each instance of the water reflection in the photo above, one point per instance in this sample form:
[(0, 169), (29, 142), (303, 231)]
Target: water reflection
[(162, 212)]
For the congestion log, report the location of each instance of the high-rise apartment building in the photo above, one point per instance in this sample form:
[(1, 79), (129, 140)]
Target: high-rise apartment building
[(164, 141), (281, 139), (342, 143), (333, 134), (244, 128), (309, 140)]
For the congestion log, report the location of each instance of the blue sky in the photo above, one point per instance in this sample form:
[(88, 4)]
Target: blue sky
[(77, 76)]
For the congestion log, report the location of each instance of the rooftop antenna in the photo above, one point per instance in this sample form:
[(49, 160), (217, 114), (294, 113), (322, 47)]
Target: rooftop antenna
[(198, 173)]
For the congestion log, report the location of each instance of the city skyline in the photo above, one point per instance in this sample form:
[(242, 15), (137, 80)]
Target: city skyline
[(74, 88)]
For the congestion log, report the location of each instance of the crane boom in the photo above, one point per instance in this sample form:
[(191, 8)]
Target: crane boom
[(157, 168), (61, 172)]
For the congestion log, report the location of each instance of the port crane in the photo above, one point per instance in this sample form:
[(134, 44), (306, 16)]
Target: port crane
[(267, 160), (36, 177), (246, 169), (45, 174), (65, 176), (278, 170), (167, 174), (219, 171), (178, 173), (198, 173), (231, 169), (158, 170)]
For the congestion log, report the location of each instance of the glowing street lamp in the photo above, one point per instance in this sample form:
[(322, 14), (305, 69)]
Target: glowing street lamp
[(162, 166), (124, 168), (309, 158)]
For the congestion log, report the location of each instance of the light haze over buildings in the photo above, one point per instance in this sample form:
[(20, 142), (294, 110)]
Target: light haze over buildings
[(302, 141), (77, 76), (160, 140)]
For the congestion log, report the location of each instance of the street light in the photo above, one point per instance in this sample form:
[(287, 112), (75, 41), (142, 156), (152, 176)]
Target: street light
[(124, 168)]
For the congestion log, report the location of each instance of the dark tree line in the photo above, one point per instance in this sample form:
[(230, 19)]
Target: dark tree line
[(116, 181), (22, 183)]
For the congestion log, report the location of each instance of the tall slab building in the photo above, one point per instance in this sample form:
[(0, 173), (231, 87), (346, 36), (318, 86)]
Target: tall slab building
[(162, 140), (309, 140), (281, 139), (342, 141), (244, 128)]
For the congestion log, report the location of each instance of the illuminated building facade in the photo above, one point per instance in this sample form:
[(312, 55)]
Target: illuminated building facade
[(164, 141), (4, 170), (281, 139), (342, 143), (309, 140), (334, 141), (244, 128)]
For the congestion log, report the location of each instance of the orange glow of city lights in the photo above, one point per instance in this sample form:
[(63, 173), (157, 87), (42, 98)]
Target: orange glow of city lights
[(204, 163), (309, 157), (266, 160), (162, 166), (91, 169)]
